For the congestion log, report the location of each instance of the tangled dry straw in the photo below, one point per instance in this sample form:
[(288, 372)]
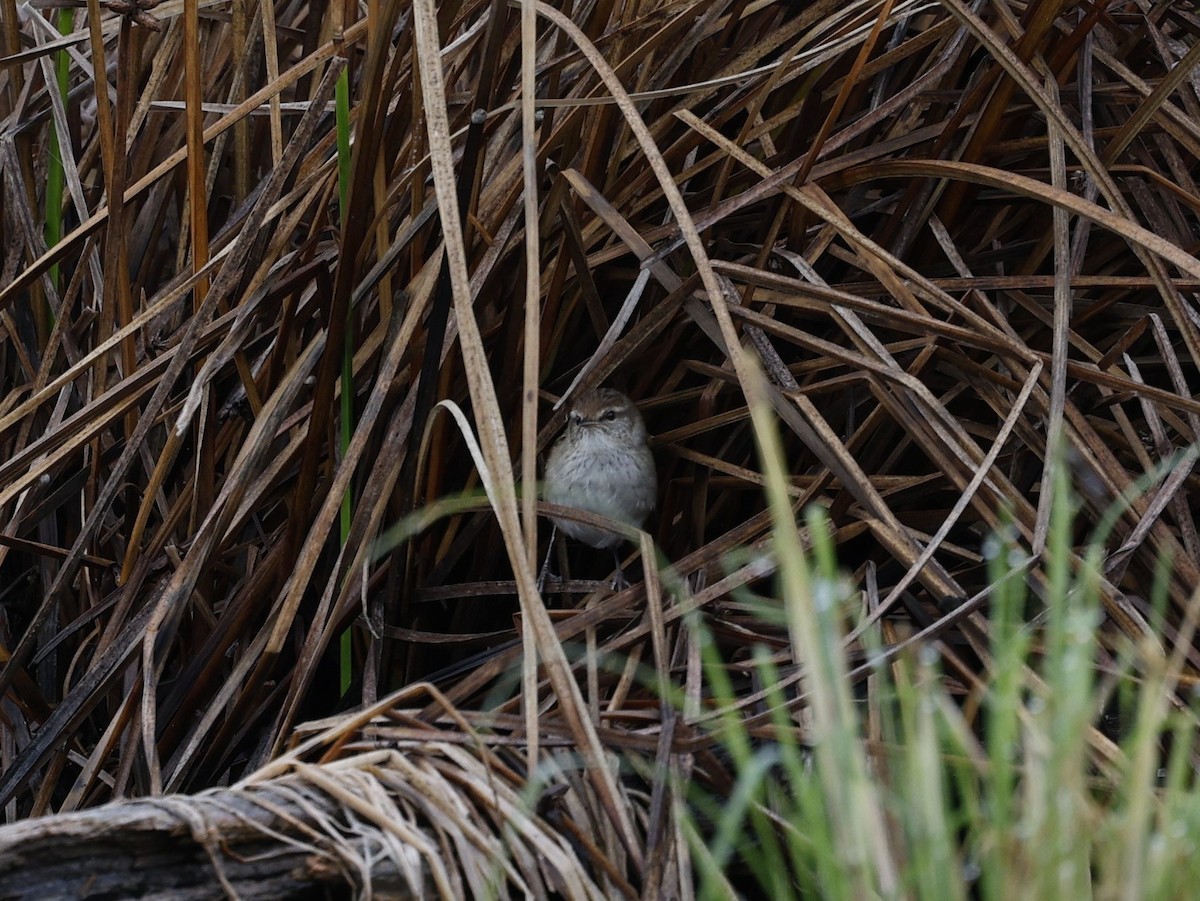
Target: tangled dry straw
[(951, 234), (381, 802)]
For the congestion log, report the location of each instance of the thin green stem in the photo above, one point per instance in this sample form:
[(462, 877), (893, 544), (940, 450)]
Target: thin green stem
[(342, 108), (55, 179)]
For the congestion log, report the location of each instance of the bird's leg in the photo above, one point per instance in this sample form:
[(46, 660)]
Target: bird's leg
[(545, 573), (619, 582)]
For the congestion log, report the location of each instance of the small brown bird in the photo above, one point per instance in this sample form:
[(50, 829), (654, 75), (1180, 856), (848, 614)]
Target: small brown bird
[(602, 464)]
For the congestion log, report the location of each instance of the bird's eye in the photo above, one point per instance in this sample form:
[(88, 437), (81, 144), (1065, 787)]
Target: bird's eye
[(610, 415), (575, 418)]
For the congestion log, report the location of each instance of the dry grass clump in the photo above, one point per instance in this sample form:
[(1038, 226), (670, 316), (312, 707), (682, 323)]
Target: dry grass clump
[(951, 235), (380, 802)]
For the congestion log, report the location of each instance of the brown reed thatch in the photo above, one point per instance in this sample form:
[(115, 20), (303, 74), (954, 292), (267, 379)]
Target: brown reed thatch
[(952, 234), (380, 803)]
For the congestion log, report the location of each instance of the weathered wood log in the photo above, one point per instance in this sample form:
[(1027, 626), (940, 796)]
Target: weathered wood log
[(259, 842), (418, 818)]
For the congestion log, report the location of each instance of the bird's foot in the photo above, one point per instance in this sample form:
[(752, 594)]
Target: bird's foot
[(619, 582), (545, 571)]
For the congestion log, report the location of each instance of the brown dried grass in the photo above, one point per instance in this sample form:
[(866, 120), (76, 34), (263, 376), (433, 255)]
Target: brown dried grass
[(951, 234)]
